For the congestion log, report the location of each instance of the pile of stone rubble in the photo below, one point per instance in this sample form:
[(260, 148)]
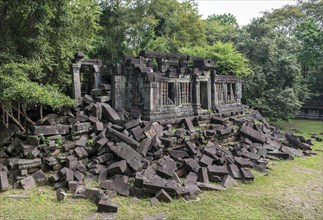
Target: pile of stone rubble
[(128, 156)]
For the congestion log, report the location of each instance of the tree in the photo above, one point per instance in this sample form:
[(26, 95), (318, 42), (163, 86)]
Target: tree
[(222, 28), (277, 87), (48, 33), (228, 59)]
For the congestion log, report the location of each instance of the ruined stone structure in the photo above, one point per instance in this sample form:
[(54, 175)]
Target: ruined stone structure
[(166, 85), (78, 62), (312, 109)]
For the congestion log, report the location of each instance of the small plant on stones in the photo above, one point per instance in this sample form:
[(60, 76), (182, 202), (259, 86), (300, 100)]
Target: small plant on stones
[(89, 142), (59, 141), (43, 139)]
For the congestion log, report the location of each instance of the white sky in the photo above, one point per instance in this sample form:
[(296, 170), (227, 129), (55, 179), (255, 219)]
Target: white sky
[(243, 10)]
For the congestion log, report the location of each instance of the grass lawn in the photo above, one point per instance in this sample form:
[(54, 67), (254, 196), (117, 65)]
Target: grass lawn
[(292, 190)]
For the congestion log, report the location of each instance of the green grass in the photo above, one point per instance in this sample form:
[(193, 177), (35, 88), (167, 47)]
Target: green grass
[(292, 190)]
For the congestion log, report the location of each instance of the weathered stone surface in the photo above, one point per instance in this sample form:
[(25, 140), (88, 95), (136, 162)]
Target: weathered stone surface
[(28, 183), (191, 165), (228, 181), (121, 137), (61, 194), (94, 194), (51, 130), (124, 151), (40, 178), (106, 205), (191, 147), (117, 167), (209, 186), (109, 113), (166, 168), (218, 170), (206, 161), (252, 134), (203, 175), (4, 183), (163, 196), (188, 124)]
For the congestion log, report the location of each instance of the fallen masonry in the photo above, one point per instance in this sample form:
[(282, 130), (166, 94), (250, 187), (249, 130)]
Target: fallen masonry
[(131, 157)]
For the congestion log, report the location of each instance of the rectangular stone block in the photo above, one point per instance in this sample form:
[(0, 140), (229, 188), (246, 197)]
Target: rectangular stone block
[(166, 168), (191, 147), (206, 161), (109, 113), (28, 183), (124, 151), (218, 170), (118, 136), (188, 125), (117, 168), (252, 134), (163, 196), (51, 130), (203, 175), (191, 165), (4, 183), (105, 205), (144, 146)]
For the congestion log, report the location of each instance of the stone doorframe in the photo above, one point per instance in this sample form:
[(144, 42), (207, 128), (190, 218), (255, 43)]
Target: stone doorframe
[(77, 63)]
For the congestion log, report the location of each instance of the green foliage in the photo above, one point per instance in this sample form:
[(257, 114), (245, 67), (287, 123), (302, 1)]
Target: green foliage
[(89, 142), (43, 139), (222, 28), (157, 25), (47, 33), (228, 59), (15, 87), (277, 88)]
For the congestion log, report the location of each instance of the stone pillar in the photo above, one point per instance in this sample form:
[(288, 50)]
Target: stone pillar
[(76, 81), (97, 76), (196, 102), (239, 91), (119, 97), (225, 92)]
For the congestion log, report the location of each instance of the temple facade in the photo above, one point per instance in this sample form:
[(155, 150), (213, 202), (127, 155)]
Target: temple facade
[(166, 85)]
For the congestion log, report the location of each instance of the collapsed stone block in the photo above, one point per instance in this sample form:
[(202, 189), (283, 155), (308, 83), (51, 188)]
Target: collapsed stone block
[(28, 183), (163, 196), (106, 205)]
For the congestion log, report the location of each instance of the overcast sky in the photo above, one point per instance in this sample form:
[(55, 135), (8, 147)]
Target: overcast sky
[(243, 10)]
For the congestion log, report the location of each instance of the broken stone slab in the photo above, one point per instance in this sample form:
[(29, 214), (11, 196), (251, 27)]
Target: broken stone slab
[(191, 147), (81, 142), (206, 160), (117, 167), (61, 195), (234, 171), (188, 125), (203, 175), (144, 146), (150, 131), (243, 162), (218, 170), (163, 196), (247, 174), (28, 183), (40, 178), (81, 128), (94, 194), (80, 153), (228, 181), (79, 192), (209, 186), (4, 183), (280, 154), (98, 126), (178, 154), (252, 134), (137, 133), (51, 130), (119, 186), (109, 113), (166, 168), (132, 123), (106, 205), (191, 165), (250, 155), (124, 151), (118, 136), (191, 179)]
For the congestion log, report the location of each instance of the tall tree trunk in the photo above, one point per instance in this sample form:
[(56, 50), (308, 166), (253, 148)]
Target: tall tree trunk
[(16, 122)]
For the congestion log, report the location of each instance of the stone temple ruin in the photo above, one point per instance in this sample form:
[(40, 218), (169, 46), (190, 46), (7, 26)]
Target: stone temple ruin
[(165, 85), (160, 125)]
